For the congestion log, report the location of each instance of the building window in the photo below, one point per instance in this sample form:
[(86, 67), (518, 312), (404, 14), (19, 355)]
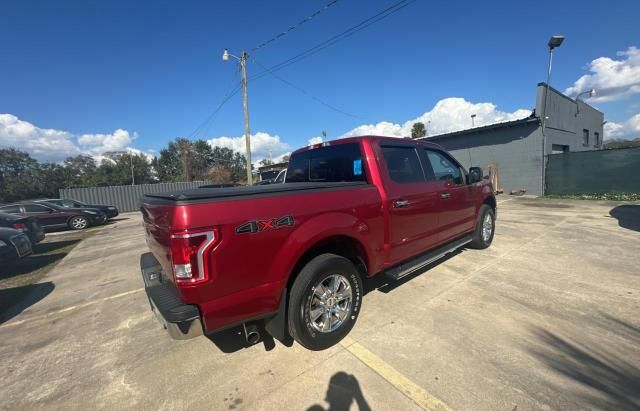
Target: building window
[(585, 137), (598, 142), (559, 148)]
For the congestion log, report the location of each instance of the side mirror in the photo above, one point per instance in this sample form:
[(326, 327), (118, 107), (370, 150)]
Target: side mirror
[(475, 175)]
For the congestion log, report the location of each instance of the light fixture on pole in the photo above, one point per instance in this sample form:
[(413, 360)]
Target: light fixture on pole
[(473, 122), (245, 104), (591, 93)]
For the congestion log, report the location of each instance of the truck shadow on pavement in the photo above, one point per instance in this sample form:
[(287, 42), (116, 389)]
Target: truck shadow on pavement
[(232, 340), (628, 216), (343, 390), (15, 300), (613, 382)]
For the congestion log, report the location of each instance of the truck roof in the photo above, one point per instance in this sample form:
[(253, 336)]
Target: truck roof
[(366, 137)]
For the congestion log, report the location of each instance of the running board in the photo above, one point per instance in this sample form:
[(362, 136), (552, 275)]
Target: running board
[(423, 260)]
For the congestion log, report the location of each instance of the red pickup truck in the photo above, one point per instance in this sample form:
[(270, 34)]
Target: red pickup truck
[(291, 258)]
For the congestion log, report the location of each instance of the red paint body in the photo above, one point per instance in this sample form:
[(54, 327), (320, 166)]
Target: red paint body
[(247, 273)]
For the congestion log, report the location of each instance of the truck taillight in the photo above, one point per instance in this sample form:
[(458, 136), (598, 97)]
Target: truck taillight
[(19, 226), (188, 256)]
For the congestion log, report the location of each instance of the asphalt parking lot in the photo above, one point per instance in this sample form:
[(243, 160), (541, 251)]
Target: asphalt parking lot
[(547, 318)]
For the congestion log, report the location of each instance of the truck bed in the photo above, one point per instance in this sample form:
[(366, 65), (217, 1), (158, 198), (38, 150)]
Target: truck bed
[(186, 196)]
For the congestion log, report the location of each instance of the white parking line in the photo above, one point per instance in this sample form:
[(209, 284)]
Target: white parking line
[(71, 308), (413, 391)]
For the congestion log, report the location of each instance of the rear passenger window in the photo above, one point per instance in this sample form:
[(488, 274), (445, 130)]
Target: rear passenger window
[(10, 209), (403, 164), (334, 163), (444, 168)]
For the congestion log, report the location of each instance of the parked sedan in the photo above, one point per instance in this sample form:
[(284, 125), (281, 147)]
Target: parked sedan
[(28, 225), (53, 217), (110, 211), (14, 244)]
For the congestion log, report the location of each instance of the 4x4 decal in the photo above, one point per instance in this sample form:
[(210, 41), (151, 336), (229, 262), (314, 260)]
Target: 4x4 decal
[(259, 226)]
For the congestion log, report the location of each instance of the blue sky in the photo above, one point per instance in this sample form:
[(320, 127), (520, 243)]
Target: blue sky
[(90, 76)]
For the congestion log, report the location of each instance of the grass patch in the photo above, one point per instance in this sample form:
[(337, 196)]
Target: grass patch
[(597, 196), (18, 279)]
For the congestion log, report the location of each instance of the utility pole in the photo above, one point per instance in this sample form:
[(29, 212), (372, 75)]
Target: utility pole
[(245, 105), (473, 121)]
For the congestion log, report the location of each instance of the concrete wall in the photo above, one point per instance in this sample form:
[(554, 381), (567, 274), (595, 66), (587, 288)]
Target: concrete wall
[(566, 120), (516, 149)]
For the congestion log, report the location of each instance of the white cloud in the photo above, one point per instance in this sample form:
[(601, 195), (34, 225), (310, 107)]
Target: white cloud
[(629, 129), (100, 143), (40, 142), (262, 144), (611, 78), (315, 140), (449, 114), (56, 145)]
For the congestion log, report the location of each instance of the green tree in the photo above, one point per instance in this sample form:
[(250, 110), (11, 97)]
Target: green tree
[(418, 130), (80, 170), (18, 175), (611, 144), (116, 169)]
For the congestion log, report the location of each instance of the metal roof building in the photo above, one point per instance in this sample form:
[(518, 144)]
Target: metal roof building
[(513, 150)]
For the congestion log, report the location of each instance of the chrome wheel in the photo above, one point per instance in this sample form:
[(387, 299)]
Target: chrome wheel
[(330, 303), (79, 223), (487, 227)]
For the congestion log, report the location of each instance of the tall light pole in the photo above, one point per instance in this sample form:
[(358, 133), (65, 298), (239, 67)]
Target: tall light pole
[(245, 104), (473, 121), (554, 41)]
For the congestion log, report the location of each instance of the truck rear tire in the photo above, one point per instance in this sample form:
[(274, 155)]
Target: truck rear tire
[(324, 302), (485, 228)]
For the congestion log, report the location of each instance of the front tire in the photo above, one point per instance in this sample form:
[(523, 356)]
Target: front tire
[(485, 228), (324, 302), (78, 222)]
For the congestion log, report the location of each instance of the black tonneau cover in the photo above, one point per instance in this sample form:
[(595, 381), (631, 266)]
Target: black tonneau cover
[(250, 191)]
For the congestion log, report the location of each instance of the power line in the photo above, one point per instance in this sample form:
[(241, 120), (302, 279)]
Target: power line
[(307, 53), (210, 117), (394, 8), (304, 91), (295, 26)]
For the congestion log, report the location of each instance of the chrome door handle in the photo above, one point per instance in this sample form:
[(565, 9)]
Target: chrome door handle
[(400, 203), (445, 196)]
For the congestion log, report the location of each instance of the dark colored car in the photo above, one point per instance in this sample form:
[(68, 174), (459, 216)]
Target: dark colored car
[(110, 211), (53, 217), (14, 244), (28, 225)]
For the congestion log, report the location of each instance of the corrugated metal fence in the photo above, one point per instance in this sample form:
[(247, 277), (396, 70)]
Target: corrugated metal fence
[(126, 198), (594, 172)]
